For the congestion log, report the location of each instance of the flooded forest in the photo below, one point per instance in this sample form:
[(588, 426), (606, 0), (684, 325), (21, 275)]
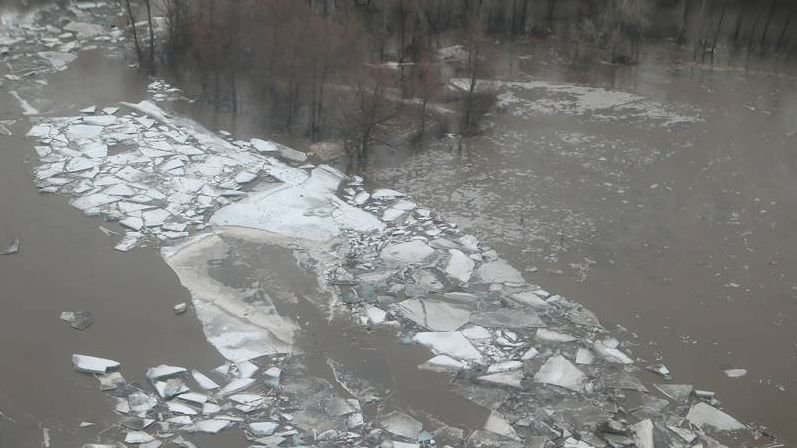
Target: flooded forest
[(398, 223)]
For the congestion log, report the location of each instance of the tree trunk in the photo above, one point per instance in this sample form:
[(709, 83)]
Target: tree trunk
[(151, 38), (766, 26), (132, 19), (783, 31)]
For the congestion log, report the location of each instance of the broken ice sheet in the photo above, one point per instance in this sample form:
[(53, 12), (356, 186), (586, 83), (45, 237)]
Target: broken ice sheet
[(79, 320), (702, 414), (111, 381), (203, 381), (92, 364), (401, 425), (507, 318), (434, 315), (561, 372), (442, 364), (451, 343)]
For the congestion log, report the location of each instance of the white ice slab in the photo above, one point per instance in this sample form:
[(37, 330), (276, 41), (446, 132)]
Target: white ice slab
[(561, 372), (451, 343)]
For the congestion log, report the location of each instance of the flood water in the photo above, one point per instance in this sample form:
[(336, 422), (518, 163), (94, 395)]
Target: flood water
[(682, 234), (676, 222)]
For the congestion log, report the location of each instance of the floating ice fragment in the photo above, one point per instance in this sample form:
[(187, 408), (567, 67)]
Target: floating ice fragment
[(263, 429), (80, 131), (12, 248), (529, 298), (460, 266), (702, 414), (735, 373), (164, 371), (111, 381), (512, 378), (546, 335), (643, 434), (498, 425), (499, 271), (584, 357), (507, 318), (411, 252), (79, 320), (211, 426), (156, 217), (443, 364), (235, 385), (434, 315), (560, 372), (687, 435), (609, 351), (100, 120), (179, 408), (375, 315), (128, 242), (110, 110), (263, 145), (92, 364), (384, 193), (450, 343), (401, 425), (292, 154), (138, 437), (530, 354)]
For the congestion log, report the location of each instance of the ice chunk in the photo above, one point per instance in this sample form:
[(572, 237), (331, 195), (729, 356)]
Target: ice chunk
[(292, 154), (164, 371), (180, 308), (80, 131), (450, 343), (546, 335), (12, 248), (460, 266), (643, 434), (156, 217), (384, 193), (401, 425), (529, 298), (170, 388), (94, 150), (203, 381), (702, 414), (236, 385), (211, 426), (92, 364), (584, 357), (476, 333), (512, 378), (735, 373), (443, 364), (79, 320), (499, 271), (100, 120), (111, 381), (561, 372), (687, 435), (263, 145), (91, 201), (504, 366), (507, 318), (498, 425), (138, 437), (179, 408), (609, 351), (263, 429), (411, 252), (530, 354), (434, 315), (244, 177), (375, 315), (110, 110)]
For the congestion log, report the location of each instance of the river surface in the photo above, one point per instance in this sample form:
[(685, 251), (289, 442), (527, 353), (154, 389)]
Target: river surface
[(674, 219)]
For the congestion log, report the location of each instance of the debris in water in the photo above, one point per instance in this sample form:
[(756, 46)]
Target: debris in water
[(180, 308), (79, 320), (12, 248), (736, 373), (92, 364), (401, 425), (702, 414), (560, 372)]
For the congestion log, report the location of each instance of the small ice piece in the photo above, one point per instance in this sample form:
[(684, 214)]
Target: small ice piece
[(80, 131), (687, 435), (244, 177), (94, 150), (702, 414), (385, 193), (508, 318), (194, 397), (180, 308), (497, 424), (156, 217), (401, 425), (179, 408), (677, 392), (499, 271), (609, 351), (530, 354), (512, 378), (100, 120), (128, 242), (203, 381), (643, 434), (375, 315), (80, 164), (735, 373), (12, 248), (558, 371), (79, 320), (211, 426), (110, 110), (584, 357), (292, 154), (392, 214), (661, 369), (451, 343), (92, 364), (272, 377), (476, 333), (263, 145), (543, 334), (263, 429), (529, 298), (170, 388), (442, 364), (434, 315), (411, 252), (164, 371), (460, 266), (355, 420), (361, 198), (235, 385), (181, 420), (89, 110), (111, 381), (504, 366), (138, 437)]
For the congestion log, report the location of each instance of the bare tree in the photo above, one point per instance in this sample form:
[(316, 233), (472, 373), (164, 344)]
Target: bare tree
[(132, 19)]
